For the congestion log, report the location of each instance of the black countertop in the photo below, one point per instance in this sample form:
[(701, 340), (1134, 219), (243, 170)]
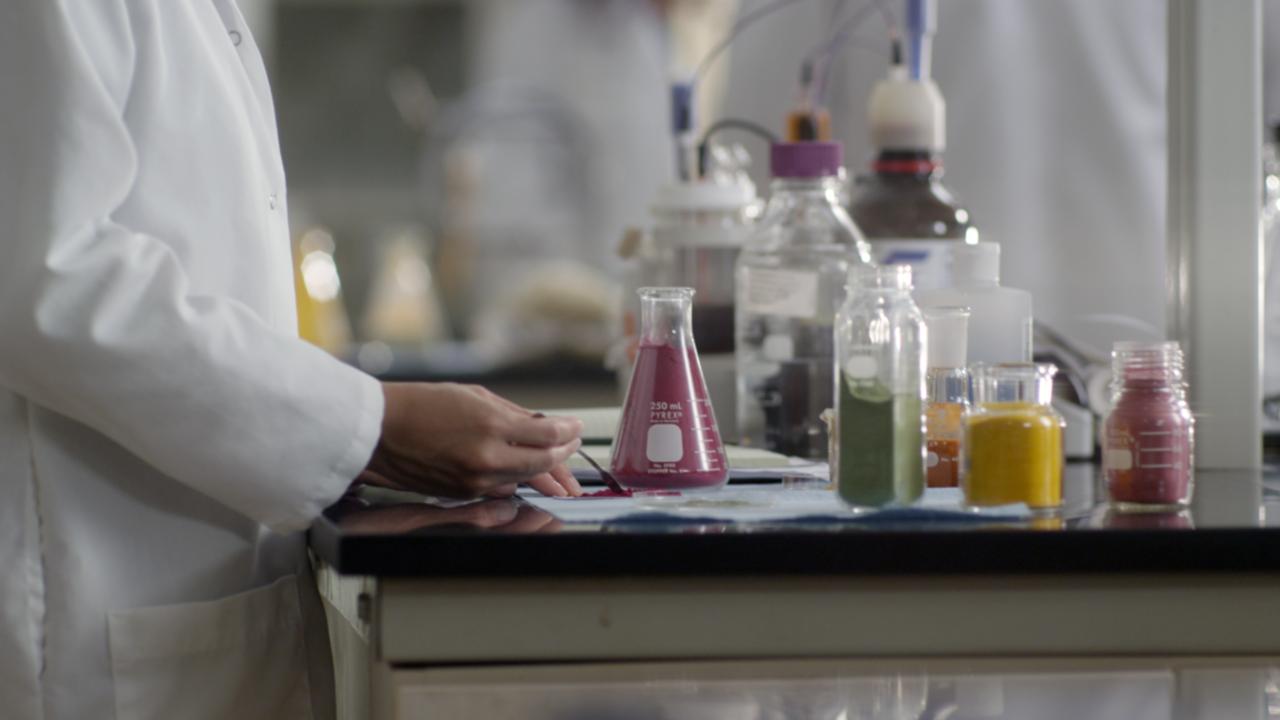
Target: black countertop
[(1233, 525)]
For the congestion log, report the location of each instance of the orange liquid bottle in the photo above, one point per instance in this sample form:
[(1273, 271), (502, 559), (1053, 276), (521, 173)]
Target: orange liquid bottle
[(947, 386)]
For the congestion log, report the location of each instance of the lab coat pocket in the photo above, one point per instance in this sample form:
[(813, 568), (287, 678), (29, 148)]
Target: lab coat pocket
[(242, 657)]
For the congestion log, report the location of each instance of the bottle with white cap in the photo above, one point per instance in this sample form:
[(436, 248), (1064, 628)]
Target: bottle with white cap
[(999, 317), (946, 393), (903, 208)]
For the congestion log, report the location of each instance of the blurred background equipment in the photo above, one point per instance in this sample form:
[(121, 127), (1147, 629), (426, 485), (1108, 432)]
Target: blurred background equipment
[(520, 141)]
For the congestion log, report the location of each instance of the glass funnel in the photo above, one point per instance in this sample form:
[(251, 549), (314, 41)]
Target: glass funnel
[(667, 437)]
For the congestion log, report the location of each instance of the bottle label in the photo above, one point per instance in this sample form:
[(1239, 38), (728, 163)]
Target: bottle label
[(783, 293), (1119, 458), (930, 259)]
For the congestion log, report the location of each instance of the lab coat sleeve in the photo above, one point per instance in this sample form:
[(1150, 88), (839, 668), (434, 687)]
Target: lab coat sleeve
[(99, 322)]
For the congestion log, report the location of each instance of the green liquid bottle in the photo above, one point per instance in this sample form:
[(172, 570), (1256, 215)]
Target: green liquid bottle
[(880, 340)]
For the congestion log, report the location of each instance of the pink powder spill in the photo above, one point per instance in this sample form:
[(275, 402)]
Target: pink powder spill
[(668, 436), (607, 493), (610, 493)]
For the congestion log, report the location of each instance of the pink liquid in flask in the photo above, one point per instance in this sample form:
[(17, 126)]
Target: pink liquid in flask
[(667, 437)]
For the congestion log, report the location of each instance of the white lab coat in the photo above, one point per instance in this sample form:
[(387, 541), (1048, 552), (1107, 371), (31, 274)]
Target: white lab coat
[(164, 436)]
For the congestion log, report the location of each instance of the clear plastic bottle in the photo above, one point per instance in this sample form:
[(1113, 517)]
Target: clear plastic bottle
[(906, 212), (880, 346), (1000, 324), (667, 436), (789, 281)]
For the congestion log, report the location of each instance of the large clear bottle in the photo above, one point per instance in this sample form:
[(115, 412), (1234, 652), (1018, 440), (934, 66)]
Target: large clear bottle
[(790, 280), (906, 212), (880, 345), (667, 436)]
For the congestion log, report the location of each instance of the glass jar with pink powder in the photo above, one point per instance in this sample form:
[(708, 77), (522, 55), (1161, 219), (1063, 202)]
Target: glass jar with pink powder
[(1148, 448)]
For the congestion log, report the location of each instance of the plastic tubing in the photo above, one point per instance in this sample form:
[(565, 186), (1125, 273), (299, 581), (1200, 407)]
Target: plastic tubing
[(921, 21), (725, 124), (818, 60), (743, 23)]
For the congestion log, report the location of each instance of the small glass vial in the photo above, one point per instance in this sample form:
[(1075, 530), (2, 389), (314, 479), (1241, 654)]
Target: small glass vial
[(1150, 431), (880, 346), (947, 394), (1013, 438)]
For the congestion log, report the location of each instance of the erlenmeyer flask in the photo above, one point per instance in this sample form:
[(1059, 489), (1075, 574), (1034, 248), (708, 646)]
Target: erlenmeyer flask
[(667, 437)]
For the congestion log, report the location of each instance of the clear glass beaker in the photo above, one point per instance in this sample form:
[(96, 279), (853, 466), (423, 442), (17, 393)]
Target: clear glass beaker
[(1013, 437), (667, 436), (879, 379)]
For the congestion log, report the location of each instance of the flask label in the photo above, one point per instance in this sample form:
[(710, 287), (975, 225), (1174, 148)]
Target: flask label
[(783, 293), (665, 443)]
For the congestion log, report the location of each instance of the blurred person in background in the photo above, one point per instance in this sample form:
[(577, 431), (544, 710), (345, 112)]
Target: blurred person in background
[(165, 438), (559, 146)]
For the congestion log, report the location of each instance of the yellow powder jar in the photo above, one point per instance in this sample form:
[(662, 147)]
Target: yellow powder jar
[(1013, 438)]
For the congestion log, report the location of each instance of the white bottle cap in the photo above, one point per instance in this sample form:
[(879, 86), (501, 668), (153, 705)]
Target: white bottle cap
[(948, 336), (975, 264), (906, 114)]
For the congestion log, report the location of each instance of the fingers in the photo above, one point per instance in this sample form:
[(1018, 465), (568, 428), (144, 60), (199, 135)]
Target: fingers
[(370, 477), (501, 488), (499, 459), (533, 429), (567, 480), (542, 432), (548, 486)]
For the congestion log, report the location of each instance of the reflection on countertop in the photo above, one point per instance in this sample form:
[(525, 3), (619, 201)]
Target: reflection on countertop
[(1235, 499), (1231, 526)]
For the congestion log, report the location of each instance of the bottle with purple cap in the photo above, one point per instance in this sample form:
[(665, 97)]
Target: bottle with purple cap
[(789, 282)]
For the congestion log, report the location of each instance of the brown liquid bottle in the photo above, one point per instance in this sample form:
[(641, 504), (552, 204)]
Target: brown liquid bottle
[(902, 207)]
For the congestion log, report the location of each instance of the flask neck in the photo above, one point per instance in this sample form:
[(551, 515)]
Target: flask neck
[(666, 316)]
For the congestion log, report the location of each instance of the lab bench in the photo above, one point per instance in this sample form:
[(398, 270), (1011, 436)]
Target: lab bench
[(433, 616)]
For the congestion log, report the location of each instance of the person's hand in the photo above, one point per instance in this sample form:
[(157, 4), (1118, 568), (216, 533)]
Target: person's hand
[(463, 441)]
